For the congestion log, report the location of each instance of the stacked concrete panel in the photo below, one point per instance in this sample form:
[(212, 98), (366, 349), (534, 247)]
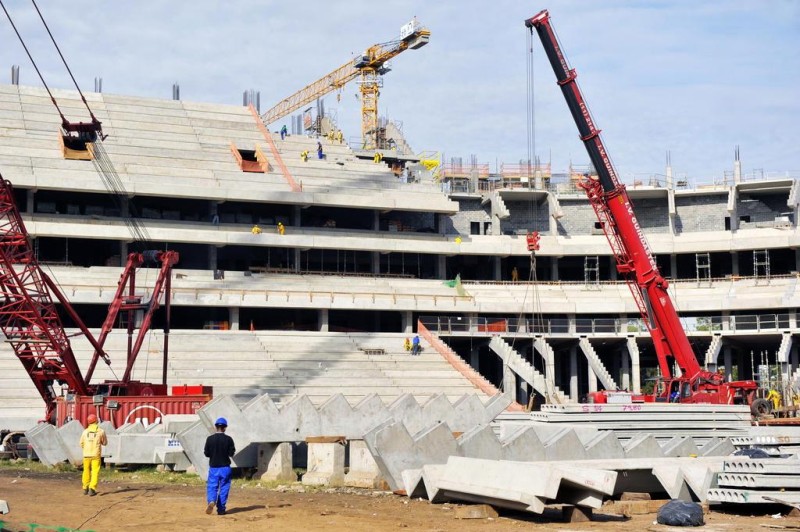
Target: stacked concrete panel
[(396, 449), (263, 421), (766, 480)]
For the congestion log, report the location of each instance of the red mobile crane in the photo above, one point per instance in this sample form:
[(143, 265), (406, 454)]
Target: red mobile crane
[(635, 262), (31, 324)]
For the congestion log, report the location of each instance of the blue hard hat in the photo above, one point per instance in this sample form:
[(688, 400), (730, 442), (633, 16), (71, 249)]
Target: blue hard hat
[(221, 422)]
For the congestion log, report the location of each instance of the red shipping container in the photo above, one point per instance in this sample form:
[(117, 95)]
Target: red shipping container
[(191, 389)]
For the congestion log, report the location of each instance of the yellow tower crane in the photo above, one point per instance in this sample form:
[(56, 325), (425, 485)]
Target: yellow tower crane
[(370, 66)]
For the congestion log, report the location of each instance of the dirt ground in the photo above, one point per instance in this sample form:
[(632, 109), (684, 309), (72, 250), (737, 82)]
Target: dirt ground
[(55, 499)]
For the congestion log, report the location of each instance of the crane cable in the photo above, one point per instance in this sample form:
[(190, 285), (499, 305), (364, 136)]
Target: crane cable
[(22, 41), (94, 119)]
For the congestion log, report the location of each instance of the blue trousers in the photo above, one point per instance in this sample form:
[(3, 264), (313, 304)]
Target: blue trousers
[(219, 484)]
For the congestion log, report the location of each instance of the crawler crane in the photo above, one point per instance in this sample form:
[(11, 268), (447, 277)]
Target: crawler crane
[(634, 260)]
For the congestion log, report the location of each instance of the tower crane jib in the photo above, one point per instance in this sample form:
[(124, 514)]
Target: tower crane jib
[(369, 66)]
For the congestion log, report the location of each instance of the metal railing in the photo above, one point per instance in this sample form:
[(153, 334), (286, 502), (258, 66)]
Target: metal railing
[(549, 326)]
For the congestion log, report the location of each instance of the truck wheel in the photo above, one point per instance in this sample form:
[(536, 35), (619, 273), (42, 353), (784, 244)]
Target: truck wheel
[(761, 407)]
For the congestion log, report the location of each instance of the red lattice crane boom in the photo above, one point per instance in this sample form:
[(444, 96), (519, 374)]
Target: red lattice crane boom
[(635, 261)]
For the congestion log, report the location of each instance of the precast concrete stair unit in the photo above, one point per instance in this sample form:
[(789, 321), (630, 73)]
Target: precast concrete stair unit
[(597, 365), (525, 370)]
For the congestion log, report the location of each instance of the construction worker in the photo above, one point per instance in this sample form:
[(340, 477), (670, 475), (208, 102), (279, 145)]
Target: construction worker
[(256, 230), (407, 344), (281, 228), (284, 132), (339, 136), (320, 155), (514, 275), (92, 440), (415, 347), (219, 449), (304, 155)]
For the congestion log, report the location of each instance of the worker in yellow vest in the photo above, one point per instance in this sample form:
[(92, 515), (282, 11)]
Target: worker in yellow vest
[(92, 441)]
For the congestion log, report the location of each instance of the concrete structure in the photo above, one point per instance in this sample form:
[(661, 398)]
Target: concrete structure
[(368, 251)]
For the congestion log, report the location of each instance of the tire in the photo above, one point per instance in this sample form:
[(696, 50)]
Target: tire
[(761, 407)]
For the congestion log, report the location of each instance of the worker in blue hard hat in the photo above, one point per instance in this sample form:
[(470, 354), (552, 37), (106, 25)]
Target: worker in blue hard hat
[(219, 450)]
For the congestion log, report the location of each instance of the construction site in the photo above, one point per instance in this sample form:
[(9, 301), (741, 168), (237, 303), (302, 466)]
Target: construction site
[(391, 338)]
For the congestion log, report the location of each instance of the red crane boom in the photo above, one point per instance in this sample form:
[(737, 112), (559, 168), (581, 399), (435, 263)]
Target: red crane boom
[(635, 262)]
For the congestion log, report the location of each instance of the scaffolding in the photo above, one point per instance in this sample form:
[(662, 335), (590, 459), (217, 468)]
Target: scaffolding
[(702, 265), (591, 272), (761, 265)]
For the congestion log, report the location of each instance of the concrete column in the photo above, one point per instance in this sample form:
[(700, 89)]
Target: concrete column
[(673, 266), (363, 472), (125, 207), (29, 203), (636, 371), (376, 221), (726, 320), (793, 362), (509, 383), (275, 462), (441, 266), (325, 464), (212, 257), (734, 262), (571, 325), (592, 379), (626, 370), (376, 262), (407, 322), (573, 373), (554, 268), (498, 272), (123, 253), (322, 320), (233, 318), (612, 268), (297, 219), (727, 358), (297, 260), (797, 257), (475, 358)]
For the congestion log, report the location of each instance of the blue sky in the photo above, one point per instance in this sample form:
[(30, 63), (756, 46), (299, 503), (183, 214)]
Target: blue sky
[(690, 76)]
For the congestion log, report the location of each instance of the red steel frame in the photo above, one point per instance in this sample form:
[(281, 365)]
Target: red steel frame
[(31, 324)]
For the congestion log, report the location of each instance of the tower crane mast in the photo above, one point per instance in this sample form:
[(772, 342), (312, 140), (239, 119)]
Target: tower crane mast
[(634, 260), (369, 66)]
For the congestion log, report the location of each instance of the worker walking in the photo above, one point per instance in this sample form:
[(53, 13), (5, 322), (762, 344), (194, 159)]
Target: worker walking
[(320, 155), (219, 449), (92, 441)]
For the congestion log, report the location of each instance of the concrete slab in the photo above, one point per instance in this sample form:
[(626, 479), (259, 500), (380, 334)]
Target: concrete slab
[(480, 442), (413, 484), (70, 435), (672, 480), (701, 476), (325, 465), (523, 445), (519, 485), (48, 445), (335, 416), (643, 446), (565, 445), (723, 447), (431, 475), (680, 446), (604, 445), (193, 440)]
